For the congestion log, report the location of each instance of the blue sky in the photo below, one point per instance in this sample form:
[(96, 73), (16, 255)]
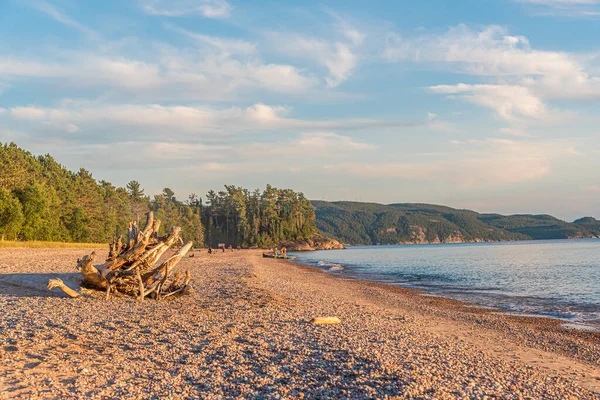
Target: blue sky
[(484, 104)]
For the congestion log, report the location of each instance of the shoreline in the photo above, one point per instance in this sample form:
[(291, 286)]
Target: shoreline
[(564, 322), (469, 313), (246, 332), (473, 242), (448, 301)]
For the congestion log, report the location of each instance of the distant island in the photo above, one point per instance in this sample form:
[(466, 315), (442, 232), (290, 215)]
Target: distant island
[(358, 223)]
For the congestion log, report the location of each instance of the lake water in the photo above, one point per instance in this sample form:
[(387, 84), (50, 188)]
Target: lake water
[(558, 278)]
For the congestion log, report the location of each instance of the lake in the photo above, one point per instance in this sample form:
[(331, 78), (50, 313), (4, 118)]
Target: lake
[(558, 278)]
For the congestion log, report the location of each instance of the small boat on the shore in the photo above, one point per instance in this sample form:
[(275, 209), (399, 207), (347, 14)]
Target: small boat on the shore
[(271, 255)]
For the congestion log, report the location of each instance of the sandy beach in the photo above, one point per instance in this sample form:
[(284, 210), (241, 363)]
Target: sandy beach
[(246, 333)]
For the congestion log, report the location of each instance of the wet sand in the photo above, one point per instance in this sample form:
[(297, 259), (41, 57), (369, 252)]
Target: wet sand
[(246, 333)]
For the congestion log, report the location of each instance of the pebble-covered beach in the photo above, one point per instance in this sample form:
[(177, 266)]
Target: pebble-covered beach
[(246, 333)]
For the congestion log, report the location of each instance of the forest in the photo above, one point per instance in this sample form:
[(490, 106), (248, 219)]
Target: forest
[(371, 223), (42, 200)]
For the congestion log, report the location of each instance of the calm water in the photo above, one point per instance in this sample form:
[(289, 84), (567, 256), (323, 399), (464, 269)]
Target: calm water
[(559, 278)]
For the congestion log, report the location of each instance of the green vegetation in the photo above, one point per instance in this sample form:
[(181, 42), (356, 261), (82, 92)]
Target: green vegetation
[(368, 223), (239, 216), (40, 200)]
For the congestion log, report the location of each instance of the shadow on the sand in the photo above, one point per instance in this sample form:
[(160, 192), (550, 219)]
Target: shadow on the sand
[(34, 285)]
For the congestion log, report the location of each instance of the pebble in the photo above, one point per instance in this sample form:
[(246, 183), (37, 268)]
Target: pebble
[(243, 334)]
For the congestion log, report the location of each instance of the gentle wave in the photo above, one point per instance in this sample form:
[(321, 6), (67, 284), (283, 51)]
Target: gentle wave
[(558, 278), (333, 267)]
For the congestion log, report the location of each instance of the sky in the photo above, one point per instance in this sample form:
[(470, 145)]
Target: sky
[(491, 105)]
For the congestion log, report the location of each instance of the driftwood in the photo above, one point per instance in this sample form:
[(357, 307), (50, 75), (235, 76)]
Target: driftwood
[(131, 267), (58, 283)]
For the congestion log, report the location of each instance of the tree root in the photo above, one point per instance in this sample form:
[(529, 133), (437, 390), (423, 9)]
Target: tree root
[(131, 269)]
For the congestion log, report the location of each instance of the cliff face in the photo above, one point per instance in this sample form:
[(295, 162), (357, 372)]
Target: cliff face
[(315, 242), (419, 235)]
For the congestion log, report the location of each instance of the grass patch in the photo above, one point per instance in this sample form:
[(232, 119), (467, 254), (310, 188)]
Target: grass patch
[(35, 244)]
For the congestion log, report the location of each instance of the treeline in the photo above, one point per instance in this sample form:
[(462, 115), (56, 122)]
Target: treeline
[(256, 218), (369, 223), (42, 200)]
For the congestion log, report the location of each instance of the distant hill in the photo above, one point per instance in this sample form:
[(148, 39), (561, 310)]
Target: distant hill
[(371, 223)]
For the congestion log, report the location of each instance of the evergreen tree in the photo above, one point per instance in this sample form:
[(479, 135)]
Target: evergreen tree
[(42, 200), (134, 190)]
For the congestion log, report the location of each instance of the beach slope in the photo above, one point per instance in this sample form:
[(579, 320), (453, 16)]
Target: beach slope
[(246, 332)]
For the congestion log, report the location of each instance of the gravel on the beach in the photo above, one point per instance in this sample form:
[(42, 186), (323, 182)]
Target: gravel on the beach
[(246, 333)]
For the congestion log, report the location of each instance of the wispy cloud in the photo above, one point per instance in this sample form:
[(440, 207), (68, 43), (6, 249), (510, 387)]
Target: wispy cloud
[(172, 73), (473, 164), (564, 8), (521, 79), (339, 54), (509, 102), (182, 121), (180, 8), (54, 13), (225, 45)]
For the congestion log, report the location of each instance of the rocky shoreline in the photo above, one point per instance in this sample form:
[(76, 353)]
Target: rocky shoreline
[(315, 242), (246, 333)]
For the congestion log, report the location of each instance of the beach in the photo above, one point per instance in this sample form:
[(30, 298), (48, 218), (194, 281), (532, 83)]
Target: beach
[(246, 333)]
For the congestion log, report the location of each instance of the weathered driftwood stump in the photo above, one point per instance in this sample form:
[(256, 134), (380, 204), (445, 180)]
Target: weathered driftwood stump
[(131, 265)]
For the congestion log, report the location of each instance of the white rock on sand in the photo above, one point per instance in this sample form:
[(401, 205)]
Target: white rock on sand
[(244, 334)]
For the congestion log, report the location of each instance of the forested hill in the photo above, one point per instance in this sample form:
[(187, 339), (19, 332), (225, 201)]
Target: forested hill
[(370, 223), (42, 200)]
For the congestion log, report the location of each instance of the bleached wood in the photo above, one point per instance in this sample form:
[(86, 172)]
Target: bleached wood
[(131, 267)]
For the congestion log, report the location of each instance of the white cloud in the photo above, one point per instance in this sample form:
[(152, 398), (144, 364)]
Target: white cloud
[(180, 8), (473, 164), (71, 128), (179, 121), (158, 155), (28, 113), (340, 65), (330, 141), (339, 54), (508, 101), (522, 79), (174, 73), (489, 52), (266, 115), (11, 67), (206, 68), (308, 145), (128, 73), (187, 156)]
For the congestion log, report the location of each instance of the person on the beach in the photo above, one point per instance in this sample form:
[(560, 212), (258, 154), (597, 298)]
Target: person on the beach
[(223, 248), (284, 252), (231, 248), (209, 250)]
